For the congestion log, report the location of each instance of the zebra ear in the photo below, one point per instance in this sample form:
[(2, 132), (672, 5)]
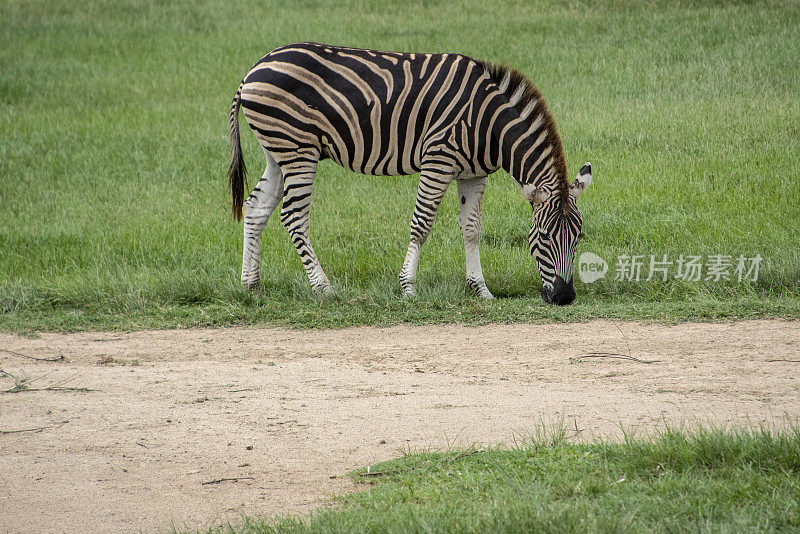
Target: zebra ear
[(535, 195), (582, 181)]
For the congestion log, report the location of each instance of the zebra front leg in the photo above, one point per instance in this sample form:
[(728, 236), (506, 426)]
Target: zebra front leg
[(295, 216), (256, 211), (430, 192), (470, 203)]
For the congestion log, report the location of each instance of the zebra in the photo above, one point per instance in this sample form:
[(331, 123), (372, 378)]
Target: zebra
[(447, 116)]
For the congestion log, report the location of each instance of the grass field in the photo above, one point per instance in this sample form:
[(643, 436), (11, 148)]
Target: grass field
[(114, 211), (701, 481)]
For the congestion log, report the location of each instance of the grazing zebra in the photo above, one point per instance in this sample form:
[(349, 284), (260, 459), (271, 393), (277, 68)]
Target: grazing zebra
[(446, 116)]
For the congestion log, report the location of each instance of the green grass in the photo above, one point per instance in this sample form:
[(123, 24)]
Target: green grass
[(113, 152), (708, 480)]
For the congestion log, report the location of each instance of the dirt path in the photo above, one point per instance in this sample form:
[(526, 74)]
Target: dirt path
[(283, 411)]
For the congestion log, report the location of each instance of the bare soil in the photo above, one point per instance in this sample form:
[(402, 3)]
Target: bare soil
[(196, 427)]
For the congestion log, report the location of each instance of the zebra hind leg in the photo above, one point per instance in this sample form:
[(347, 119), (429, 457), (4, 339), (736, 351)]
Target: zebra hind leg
[(256, 211), (295, 216), (470, 203), (432, 186)]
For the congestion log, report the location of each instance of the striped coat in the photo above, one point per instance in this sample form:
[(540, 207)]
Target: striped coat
[(447, 116)]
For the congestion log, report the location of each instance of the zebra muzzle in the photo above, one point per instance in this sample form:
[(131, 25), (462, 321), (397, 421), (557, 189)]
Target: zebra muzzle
[(559, 292)]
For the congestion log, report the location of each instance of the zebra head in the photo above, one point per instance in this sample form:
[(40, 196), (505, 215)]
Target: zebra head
[(554, 236)]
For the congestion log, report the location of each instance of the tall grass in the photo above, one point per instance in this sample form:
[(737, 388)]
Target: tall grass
[(113, 151)]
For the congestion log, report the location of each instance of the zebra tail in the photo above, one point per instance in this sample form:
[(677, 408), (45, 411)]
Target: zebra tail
[(237, 171)]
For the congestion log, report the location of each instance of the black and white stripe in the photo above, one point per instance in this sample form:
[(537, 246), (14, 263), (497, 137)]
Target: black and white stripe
[(446, 116)]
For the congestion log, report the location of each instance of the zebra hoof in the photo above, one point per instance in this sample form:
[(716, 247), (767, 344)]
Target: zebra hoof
[(481, 291), (409, 292), (323, 290), (484, 293), (253, 286)]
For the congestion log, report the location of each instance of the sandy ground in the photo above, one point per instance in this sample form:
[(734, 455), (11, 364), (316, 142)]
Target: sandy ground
[(287, 413)]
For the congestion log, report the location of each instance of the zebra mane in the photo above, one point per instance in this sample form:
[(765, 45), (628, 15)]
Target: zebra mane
[(516, 86)]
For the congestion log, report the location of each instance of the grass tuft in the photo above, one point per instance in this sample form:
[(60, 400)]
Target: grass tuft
[(704, 479)]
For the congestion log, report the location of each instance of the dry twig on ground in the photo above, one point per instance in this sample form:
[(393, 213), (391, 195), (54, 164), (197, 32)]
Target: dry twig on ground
[(38, 359), (614, 355), (23, 385), (611, 355), (38, 429), (23, 430), (217, 481)]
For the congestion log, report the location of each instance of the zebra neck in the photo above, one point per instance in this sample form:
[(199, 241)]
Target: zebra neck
[(530, 149), (530, 153)]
